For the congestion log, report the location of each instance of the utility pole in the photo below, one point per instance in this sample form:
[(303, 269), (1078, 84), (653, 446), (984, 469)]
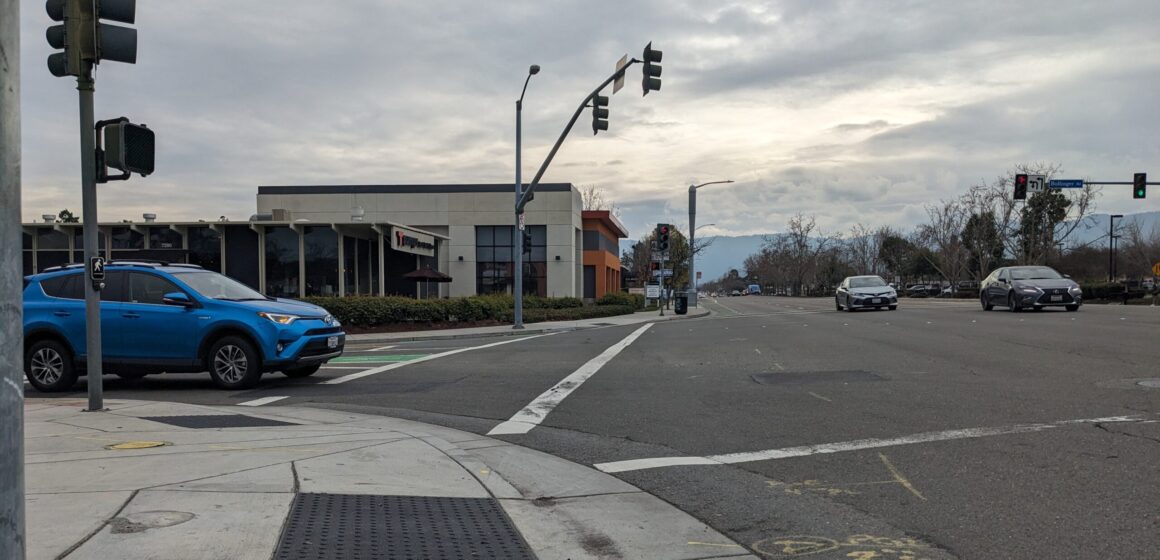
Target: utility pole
[(1112, 246), (692, 289), (13, 544), (518, 233)]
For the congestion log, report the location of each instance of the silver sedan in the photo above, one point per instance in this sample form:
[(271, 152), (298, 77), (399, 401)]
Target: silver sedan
[(860, 292)]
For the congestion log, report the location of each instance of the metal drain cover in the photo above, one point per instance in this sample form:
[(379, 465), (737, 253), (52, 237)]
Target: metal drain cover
[(793, 377), (323, 526), (217, 421)]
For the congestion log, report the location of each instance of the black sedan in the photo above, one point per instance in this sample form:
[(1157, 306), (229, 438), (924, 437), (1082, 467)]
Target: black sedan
[(1029, 287)]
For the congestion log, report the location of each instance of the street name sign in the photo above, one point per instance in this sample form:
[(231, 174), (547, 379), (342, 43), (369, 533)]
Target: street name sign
[(1065, 184), (619, 81)]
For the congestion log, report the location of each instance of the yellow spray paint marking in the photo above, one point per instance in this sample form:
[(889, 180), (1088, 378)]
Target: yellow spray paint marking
[(901, 479), (862, 547), (138, 445)]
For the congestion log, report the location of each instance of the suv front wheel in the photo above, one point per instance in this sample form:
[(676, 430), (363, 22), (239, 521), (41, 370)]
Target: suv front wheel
[(234, 364), (48, 365)]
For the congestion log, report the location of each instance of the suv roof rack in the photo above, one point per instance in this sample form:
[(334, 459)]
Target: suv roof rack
[(61, 267)]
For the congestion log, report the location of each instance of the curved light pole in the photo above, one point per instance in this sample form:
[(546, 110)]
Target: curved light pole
[(692, 292), (696, 284), (518, 232)]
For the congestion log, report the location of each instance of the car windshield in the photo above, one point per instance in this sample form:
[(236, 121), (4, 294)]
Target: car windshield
[(867, 282), (218, 286), (1034, 273)]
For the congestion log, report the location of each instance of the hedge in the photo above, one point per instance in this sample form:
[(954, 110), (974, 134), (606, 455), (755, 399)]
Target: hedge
[(367, 311), (636, 301), (1110, 291)]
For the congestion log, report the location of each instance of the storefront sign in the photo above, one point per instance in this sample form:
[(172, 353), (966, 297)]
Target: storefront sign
[(410, 241)]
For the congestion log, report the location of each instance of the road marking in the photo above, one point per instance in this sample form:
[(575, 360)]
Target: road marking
[(427, 358), (813, 394), (262, 401), (699, 543), (778, 366), (844, 446), (531, 416), (757, 350), (371, 359), (901, 479), (382, 348), (343, 367)]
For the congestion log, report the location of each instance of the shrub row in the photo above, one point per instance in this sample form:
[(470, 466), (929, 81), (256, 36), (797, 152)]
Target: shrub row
[(364, 311), (1112, 291), (635, 301)]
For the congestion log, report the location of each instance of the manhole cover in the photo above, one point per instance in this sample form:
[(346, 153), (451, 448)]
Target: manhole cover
[(402, 527), (217, 421), (137, 445), (1149, 383), (792, 377)]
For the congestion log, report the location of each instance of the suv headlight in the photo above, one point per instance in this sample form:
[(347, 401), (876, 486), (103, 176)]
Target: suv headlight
[(280, 318), (1075, 290)]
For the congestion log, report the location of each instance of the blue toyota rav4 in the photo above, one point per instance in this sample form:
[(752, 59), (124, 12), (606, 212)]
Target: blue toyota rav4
[(160, 317)]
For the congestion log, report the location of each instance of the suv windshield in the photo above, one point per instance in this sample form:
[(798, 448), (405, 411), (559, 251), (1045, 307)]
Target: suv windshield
[(218, 286), (867, 282), (1034, 273)]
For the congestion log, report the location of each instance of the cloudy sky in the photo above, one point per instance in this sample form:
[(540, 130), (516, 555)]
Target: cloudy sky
[(853, 111)]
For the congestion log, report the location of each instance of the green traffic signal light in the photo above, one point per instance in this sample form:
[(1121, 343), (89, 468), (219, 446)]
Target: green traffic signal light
[(1140, 185)]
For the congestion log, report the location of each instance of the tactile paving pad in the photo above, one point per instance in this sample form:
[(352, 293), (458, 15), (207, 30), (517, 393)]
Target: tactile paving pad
[(366, 527)]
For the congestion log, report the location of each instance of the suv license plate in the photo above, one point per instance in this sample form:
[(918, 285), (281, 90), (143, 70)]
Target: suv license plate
[(332, 342), (1056, 298)]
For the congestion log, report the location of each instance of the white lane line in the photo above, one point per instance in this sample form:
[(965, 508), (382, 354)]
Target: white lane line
[(427, 358), (382, 348), (344, 367), (841, 447), (531, 416), (262, 401)]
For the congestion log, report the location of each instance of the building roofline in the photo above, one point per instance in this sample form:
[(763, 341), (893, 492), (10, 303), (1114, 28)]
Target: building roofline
[(607, 218), (247, 223), (407, 189)]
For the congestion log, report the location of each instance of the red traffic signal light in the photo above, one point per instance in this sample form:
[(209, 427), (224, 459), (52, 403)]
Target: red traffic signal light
[(1021, 186)]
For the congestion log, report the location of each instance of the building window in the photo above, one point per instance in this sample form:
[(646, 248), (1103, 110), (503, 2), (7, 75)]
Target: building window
[(164, 238), (79, 243), (320, 244), (281, 262), (361, 268), (205, 248), (51, 239), (495, 264), (127, 238)]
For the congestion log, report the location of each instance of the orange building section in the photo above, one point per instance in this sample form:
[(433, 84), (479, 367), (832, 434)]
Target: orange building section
[(602, 235)]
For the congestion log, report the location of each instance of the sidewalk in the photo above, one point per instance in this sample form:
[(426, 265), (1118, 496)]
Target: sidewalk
[(639, 317), (294, 483)]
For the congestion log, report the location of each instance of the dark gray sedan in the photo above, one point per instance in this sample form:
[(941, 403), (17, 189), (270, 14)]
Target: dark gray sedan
[(1029, 287)]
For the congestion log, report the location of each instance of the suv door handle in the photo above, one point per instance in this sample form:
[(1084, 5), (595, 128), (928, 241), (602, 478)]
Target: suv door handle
[(62, 313), (131, 315)]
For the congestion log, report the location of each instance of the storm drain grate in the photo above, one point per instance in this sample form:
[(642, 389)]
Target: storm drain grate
[(787, 377), (217, 421), (325, 526)]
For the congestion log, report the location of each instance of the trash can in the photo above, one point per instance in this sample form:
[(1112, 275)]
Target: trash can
[(681, 303)]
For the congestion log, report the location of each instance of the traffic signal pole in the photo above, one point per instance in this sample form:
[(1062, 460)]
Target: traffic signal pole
[(95, 375), (12, 525)]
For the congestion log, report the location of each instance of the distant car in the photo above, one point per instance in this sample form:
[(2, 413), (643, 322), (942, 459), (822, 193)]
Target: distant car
[(917, 290), (1029, 287), (735, 293), (753, 290), (859, 292)]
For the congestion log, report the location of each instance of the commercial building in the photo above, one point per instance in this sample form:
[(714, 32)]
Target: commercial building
[(363, 239)]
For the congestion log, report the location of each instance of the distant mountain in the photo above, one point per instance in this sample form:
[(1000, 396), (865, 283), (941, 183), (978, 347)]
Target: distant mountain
[(730, 252)]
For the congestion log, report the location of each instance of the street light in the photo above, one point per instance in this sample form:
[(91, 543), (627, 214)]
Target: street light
[(1112, 246), (692, 292), (696, 284), (517, 237)]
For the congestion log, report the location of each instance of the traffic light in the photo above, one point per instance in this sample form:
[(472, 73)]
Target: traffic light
[(84, 39), (74, 36), (654, 265), (663, 237), (527, 238), (129, 147), (599, 113), (652, 69), (1021, 186), (1140, 185)]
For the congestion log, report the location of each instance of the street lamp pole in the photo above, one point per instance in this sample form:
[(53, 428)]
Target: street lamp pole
[(1112, 246), (692, 292), (518, 231)]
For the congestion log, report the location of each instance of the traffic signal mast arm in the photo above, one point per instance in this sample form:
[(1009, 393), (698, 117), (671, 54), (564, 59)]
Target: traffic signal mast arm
[(527, 195)]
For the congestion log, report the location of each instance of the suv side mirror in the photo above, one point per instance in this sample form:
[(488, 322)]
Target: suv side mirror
[(177, 298)]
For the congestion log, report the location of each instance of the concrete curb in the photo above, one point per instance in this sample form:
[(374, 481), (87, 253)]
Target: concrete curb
[(371, 338)]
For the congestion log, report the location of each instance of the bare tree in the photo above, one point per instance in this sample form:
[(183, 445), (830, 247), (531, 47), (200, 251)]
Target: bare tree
[(862, 249), (594, 197), (943, 234)]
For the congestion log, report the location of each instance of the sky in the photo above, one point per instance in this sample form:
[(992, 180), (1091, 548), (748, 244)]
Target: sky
[(855, 112)]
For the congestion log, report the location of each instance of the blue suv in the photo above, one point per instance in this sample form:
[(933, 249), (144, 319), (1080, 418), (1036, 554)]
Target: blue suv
[(161, 317)]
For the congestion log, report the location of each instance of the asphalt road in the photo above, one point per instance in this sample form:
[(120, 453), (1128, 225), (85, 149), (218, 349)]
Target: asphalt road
[(935, 431)]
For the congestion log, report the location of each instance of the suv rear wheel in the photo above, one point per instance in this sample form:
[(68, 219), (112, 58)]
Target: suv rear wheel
[(49, 367), (234, 364)]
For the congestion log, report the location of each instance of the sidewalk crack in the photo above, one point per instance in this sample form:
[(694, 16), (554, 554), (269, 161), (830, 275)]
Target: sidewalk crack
[(100, 528)]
